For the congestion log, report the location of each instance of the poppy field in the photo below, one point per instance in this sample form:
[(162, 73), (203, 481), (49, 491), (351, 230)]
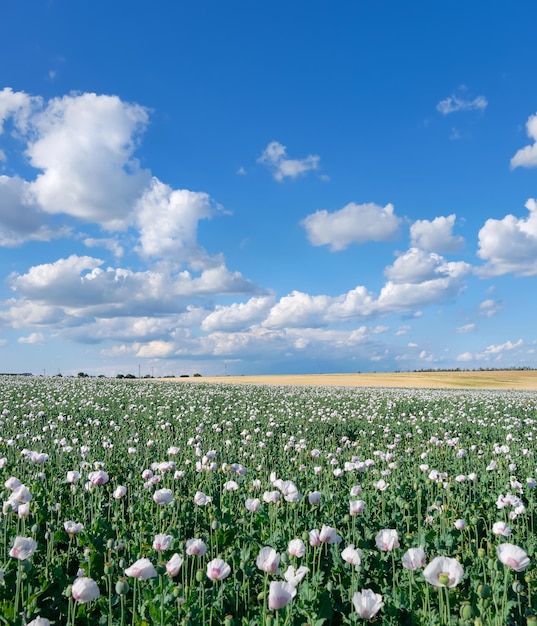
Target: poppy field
[(143, 503)]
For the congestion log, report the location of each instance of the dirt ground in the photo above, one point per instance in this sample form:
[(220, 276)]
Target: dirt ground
[(508, 379)]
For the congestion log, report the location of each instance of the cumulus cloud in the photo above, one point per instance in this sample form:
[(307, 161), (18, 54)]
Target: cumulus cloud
[(416, 266), (354, 223), (436, 235), (82, 287), (527, 156), (456, 102), (20, 219), (238, 316), (493, 352), (84, 146), (167, 220), (299, 309), (510, 244), (18, 106), (33, 338), (275, 157)]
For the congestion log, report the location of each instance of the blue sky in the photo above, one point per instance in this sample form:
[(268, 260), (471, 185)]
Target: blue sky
[(267, 187)]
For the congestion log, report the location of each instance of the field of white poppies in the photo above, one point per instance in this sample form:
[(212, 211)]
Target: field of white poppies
[(135, 502)]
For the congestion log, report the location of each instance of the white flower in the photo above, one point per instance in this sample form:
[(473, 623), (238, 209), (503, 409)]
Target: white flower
[(268, 560), (280, 594), (296, 547), (162, 542), (443, 571), (217, 569), (23, 548), (513, 556), (73, 528), (501, 528), (252, 504), (356, 507), (141, 569), (39, 621), (195, 547), (352, 555), (387, 540), (294, 576), (173, 566), (201, 499), (414, 558), (119, 492), (329, 535), (99, 477), (163, 496), (367, 603), (84, 590), (381, 485)]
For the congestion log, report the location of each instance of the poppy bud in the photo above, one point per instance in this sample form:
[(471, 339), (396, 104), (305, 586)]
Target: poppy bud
[(200, 575), (108, 567)]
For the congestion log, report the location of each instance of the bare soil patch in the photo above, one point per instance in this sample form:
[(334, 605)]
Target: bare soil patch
[(498, 379)]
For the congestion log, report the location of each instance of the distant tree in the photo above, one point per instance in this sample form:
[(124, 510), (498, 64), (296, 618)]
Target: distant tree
[(196, 375), (120, 376), (82, 375)]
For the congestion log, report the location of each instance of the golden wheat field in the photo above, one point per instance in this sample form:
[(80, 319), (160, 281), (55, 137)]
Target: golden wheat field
[(496, 379)]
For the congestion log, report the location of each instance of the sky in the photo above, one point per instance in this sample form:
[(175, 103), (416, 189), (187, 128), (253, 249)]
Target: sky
[(267, 187)]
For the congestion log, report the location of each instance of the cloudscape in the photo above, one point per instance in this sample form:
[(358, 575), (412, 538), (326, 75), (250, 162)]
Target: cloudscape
[(283, 187)]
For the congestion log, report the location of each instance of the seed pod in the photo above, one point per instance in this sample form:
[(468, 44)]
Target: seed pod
[(122, 587), (467, 611)]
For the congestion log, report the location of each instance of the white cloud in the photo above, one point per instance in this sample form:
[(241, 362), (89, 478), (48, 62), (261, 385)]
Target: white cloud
[(238, 316), (20, 219), (503, 347), (455, 103), (417, 266), (303, 310), (490, 307), (17, 105), (436, 235), (510, 244), (354, 223), (107, 243), (298, 310), (84, 146), (168, 220), (156, 349), (82, 288), (467, 328), (33, 338), (275, 157), (527, 156), (494, 352), (403, 297)]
